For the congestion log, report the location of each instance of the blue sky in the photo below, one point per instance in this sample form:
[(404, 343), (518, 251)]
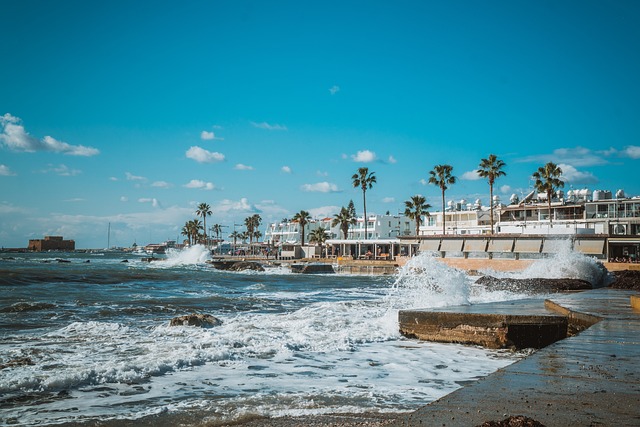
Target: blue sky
[(131, 113)]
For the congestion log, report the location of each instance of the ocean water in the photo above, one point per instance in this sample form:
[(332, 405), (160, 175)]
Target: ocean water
[(89, 339)]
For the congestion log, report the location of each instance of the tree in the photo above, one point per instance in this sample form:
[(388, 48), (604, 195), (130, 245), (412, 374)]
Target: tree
[(415, 208), (252, 223), (192, 229), (344, 219), (352, 209), (235, 236), (204, 210), (547, 181), (491, 169), (441, 177), (365, 180), (318, 235), (303, 218)]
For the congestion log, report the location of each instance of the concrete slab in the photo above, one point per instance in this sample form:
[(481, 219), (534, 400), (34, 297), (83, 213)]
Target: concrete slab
[(590, 379)]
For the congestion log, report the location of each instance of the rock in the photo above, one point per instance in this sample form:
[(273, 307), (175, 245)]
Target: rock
[(626, 279), (317, 268), (534, 285), (514, 421), (245, 265), (200, 320), (22, 361)]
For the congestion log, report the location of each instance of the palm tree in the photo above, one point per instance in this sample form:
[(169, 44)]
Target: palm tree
[(252, 223), (318, 235), (303, 217), (186, 231), (491, 168), (415, 208), (192, 229), (235, 236), (547, 181), (345, 219), (204, 210), (441, 177), (365, 180)]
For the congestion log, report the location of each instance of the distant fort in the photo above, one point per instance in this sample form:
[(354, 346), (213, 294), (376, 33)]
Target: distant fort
[(51, 243)]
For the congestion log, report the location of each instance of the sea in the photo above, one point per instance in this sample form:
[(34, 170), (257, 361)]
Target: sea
[(85, 338)]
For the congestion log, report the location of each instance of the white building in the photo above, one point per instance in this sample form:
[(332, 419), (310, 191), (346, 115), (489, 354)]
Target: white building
[(378, 227)]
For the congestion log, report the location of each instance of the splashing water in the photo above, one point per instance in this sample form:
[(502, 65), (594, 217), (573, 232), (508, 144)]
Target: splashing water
[(426, 282), (564, 264), (196, 254)]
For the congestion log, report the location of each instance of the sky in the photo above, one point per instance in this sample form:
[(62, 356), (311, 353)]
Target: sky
[(132, 113)]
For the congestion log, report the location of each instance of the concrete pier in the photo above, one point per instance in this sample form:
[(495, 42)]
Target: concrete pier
[(589, 379)]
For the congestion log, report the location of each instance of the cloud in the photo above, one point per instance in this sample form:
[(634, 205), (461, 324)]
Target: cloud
[(574, 176), (201, 155), (77, 199), (5, 171), (267, 126), (392, 160), (320, 187), (364, 156), (423, 181), (154, 202), (389, 200), (132, 177), (322, 174), (285, 169), (241, 205), (242, 167), (162, 184), (61, 170), (15, 138), (505, 189), (196, 183), (578, 156), (113, 178), (324, 211), (471, 175), (209, 136), (632, 151), (124, 199), (334, 89)]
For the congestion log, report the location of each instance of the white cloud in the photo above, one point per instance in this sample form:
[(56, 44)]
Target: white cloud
[(471, 175), (196, 183), (322, 174), (209, 136), (364, 156), (392, 160), (5, 171), (389, 200), (15, 138), (113, 178), (320, 187), (578, 156), (61, 170), (242, 167), (77, 199), (505, 189), (154, 202), (241, 205), (267, 126), (162, 184), (334, 89), (324, 211), (286, 169), (124, 199), (632, 151), (423, 181), (201, 155), (132, 177), (574, 176)]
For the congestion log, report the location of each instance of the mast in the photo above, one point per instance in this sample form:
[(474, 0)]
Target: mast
[(109, 236)]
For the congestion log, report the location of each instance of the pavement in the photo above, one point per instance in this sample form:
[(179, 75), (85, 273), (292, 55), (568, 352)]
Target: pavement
[(590, 379)]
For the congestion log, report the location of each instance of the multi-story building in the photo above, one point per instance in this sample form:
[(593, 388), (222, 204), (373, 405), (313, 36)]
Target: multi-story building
[(51, 243)]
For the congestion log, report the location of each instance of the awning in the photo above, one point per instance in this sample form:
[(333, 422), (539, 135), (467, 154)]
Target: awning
[(430, 245), (529, 246), (589, 246), (451, 245), (475, 245), (553, 246), (500, 245)]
